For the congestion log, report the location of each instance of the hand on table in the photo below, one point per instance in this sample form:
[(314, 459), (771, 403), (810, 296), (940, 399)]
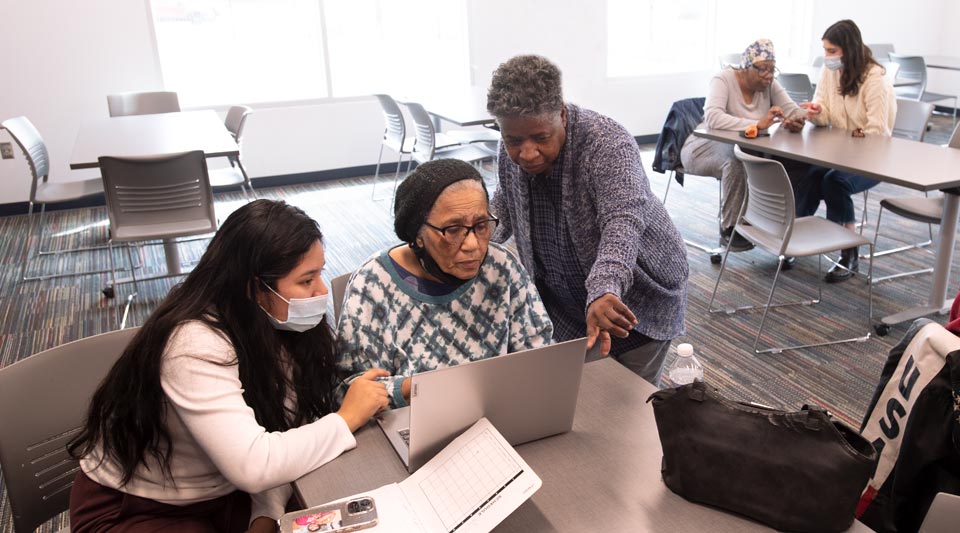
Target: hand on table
[(812, 109), (365, 397), (608, 316)]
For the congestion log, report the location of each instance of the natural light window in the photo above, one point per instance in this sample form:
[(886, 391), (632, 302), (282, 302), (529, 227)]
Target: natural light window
[(253, 51), (655, 37)]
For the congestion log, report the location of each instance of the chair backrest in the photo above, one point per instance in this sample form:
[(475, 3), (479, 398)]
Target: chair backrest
[(34, 150), (56, 385), (236, 119), (338, 287), (425, 147), (682, 119), (730, 60), (943, 514), (881, 51), (145, 103), (955, 138), (770, 202), (395, 130), (798, 86), (913, 69), (912, 118), (158, 197)]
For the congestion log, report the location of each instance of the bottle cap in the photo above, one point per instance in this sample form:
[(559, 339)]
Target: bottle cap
[(684, 350)]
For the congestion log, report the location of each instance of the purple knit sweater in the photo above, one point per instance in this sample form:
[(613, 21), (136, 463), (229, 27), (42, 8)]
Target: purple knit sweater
[(627, 242)]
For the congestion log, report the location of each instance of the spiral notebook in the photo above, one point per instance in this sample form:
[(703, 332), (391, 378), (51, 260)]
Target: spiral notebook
[(469, 487)]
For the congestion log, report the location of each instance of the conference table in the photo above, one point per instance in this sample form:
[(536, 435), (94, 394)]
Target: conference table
[(911, 164), (603, 475), (942, 62), (149, 135), (467, 107)]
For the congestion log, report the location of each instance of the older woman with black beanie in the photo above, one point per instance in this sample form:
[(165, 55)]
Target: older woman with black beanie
[(446, 296)]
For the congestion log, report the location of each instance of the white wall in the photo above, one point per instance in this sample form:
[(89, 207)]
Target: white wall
[(62, 58)]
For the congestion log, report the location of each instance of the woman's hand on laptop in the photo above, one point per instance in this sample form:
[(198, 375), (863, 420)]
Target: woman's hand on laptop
[(365, 397), (606, 316)]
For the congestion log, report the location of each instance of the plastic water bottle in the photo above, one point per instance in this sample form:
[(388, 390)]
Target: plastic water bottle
[(685, 369)]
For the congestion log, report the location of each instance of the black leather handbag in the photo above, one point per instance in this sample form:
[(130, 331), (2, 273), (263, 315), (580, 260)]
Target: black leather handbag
[(799, 471)]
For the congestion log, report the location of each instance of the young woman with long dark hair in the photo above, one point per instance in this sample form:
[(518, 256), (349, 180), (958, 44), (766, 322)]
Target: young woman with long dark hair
[(226, 390), (852, 94)]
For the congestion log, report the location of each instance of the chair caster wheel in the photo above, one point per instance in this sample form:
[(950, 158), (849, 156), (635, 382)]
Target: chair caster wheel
[(716, 259), (881, 329), (108, 292)]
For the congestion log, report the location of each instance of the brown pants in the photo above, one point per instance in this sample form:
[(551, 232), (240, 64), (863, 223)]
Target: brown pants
[(95, 508)]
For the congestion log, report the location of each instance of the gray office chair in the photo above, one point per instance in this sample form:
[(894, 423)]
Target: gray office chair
[(914, 69), (394, 137), (142, 103), (768, 220), (158, 197), (881, 52), (925, 209), (431, 145), (683, 117), (58, 384), (338, 288), (43, 191), (729, 60), (943, 514), (912, 118), (235, 174), (798, 86)]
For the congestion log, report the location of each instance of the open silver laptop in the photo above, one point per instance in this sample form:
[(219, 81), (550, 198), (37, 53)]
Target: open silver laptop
[(526, 395)]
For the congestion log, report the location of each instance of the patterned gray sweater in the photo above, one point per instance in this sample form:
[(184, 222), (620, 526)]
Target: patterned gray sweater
[(628, 245), (386, 323)]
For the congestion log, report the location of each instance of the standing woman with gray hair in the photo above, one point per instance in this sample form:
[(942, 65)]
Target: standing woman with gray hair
[(606, 258)]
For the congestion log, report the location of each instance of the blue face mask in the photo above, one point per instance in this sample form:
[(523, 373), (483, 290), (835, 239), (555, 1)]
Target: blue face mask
[(833, 62)]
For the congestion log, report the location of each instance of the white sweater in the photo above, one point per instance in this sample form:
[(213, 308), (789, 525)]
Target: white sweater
[(218, 446), (874, 108)]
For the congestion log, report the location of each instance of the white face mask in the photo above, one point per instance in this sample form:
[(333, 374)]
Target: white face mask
[(302, 313), (833, 62)]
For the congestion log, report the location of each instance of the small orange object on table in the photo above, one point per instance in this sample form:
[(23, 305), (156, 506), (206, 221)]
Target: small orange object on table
[(751, 131)]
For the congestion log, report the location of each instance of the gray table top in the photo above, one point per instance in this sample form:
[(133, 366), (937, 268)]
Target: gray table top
[(943, 62), (604, 475), (911, 164), (145, 135)]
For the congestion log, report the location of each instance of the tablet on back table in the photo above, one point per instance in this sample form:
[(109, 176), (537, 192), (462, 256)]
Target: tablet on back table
[(526, 395)]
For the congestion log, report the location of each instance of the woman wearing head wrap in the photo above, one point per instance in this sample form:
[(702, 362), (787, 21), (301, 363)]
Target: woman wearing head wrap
[(448, 295), (736, 99)]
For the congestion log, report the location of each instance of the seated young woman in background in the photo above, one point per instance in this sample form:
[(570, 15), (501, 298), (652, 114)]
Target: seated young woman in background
[(226, 390), (852, 94), (448, 295)]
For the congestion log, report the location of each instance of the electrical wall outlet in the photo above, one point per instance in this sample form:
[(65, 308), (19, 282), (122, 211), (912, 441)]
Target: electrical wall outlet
[(6, 150)]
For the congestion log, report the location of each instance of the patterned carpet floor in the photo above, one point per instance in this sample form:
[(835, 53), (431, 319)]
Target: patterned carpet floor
[(38, 315)]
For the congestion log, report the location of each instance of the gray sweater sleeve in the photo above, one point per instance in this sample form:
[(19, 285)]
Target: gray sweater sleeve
[(620, 191)]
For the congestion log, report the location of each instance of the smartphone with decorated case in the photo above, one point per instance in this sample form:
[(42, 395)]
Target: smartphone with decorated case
[(349, 515)]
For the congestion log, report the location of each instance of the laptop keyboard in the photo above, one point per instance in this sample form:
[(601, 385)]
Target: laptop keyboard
[(405, 435)]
